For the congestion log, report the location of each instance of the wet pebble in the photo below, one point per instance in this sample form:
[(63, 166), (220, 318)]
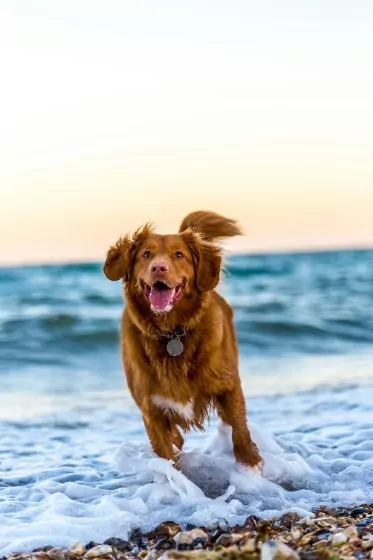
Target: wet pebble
[(329, 534), (321, 534), (119, 544), (165, 544), (153, 554), (136, 534), (365, 521), (367, 542), (277, 550), (326, 521), (188, 537), (199, 541), (76, 550), (214, 535), (339, 538), (97, 551), (91, 544), (251, 522), (227, 539), (56, 554), (183, 546), (359, 511), (166, 529), (295, 534)]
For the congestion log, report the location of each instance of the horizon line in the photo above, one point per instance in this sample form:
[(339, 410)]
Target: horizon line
[(228, 252)]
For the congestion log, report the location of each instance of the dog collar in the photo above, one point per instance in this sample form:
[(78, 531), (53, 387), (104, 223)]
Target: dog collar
[(174, 345)]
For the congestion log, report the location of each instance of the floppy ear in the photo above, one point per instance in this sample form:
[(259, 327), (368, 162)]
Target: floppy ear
[(120, 257), (207, 260)]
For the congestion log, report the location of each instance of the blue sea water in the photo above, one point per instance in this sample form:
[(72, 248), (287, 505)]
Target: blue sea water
[(74, 459)]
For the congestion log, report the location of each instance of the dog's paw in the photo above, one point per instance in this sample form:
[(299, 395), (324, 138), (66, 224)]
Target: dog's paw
[(258, 468), (176, 461)]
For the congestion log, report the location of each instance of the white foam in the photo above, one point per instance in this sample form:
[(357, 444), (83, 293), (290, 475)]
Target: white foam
[(69, 477)]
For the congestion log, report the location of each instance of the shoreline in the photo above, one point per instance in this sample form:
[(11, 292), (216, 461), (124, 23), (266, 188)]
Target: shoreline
[(332, 533)]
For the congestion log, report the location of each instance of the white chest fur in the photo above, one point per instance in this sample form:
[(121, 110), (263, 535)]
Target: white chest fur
[(169, 405)]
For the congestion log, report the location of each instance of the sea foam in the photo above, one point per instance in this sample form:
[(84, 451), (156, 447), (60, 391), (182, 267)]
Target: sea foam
[(69, 477)]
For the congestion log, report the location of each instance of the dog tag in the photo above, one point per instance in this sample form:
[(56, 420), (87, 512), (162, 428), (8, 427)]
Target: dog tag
[(175, 347)]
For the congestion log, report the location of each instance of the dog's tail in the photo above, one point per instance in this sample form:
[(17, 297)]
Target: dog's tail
[(210, 225)]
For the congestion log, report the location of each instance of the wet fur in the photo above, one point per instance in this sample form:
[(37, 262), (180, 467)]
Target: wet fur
[(206, 373)]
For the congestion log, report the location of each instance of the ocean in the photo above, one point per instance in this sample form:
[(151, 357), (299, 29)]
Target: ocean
[(75, 463)]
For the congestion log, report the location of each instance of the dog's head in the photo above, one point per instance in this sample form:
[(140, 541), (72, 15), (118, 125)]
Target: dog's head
[(163, 270)]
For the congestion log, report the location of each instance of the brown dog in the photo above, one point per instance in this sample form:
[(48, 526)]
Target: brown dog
[(178, 341)]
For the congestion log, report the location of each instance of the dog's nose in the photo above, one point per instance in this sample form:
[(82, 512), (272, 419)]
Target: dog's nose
[(159, 267)]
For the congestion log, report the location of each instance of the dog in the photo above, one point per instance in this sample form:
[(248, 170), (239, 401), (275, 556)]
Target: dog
[(179, 347)]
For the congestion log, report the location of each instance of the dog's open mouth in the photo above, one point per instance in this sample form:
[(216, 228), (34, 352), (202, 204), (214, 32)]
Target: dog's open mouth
[(161, 296)]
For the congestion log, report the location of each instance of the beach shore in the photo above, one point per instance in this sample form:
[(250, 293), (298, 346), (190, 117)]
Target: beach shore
[(332, 533)]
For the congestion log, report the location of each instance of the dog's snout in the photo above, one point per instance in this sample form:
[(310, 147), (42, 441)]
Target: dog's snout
[(159, 267)]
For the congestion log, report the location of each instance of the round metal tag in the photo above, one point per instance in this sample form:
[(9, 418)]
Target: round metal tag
[(175, 347)]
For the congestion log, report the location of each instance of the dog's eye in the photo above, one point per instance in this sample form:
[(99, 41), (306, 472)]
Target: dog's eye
[(147, 255), (179, 255)]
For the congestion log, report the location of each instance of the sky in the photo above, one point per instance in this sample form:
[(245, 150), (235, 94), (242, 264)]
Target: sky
[(117, 113)]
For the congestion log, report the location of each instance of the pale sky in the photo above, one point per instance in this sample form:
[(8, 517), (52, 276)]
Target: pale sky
[(119, 112)]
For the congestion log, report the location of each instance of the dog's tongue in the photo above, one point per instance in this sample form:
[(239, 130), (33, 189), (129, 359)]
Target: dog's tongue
[(160, 298)]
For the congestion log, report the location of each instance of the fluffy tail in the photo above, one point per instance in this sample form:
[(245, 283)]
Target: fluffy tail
[(210, 225)]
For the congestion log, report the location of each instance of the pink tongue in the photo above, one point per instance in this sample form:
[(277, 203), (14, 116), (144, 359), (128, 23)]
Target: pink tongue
[(161, 298)]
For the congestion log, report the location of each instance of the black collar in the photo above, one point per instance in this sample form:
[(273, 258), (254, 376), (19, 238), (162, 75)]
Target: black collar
[(177, 333)]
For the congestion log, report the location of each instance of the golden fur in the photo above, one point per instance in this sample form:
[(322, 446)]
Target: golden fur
[(175, 392)]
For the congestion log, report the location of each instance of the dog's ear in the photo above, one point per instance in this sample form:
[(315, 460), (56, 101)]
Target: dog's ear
[(208, 265), (120, 257), (207, 259)]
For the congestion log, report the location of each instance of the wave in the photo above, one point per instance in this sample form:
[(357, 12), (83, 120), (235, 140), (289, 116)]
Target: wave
[(277, 327), (63, 338), (244, 270), (294, 303)]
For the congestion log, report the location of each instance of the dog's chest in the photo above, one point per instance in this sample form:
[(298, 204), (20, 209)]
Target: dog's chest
[(173, 390), (183, 409), (172, 360)]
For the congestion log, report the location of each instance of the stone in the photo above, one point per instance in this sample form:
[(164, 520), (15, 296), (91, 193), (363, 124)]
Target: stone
[(76, 550), (91, 544), (56, 554), (165, 544), (119, 544), (249, 546), (296, 534), (367, 542), (359, 511), (277, 550), (188, 537), (136, 534), (100, 550), (166, 529), (339, 538), (365, 521), (227, 539)]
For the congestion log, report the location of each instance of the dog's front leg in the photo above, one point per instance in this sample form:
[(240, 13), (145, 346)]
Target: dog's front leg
[(161, 434), (232, 410)]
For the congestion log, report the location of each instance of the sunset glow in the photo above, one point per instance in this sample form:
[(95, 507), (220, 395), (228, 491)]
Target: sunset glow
[(117, 113)]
